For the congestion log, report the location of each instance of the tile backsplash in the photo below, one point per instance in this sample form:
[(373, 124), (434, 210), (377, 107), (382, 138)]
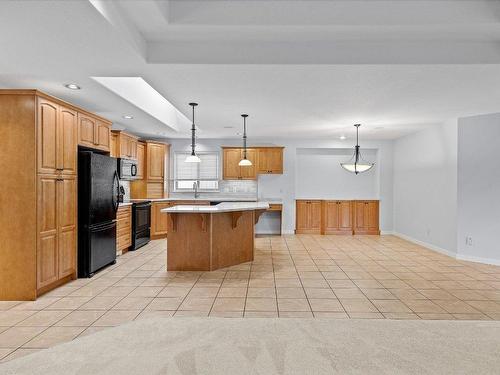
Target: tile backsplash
[(238, 187)]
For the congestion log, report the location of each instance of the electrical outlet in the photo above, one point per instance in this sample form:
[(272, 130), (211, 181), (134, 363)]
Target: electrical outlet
[(468, 240)]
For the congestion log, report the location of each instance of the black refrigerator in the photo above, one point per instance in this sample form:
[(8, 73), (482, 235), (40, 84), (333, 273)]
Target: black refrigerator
[(98, 196)]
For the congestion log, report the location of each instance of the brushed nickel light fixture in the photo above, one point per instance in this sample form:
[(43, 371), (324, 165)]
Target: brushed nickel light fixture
[(245, 162), (357, 164), (193, 158)]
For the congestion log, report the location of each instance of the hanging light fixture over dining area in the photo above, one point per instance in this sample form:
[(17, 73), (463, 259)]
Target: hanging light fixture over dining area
[(357, 164)]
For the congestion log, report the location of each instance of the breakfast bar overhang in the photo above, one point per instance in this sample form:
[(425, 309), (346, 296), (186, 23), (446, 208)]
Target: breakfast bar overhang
[(207, 238)]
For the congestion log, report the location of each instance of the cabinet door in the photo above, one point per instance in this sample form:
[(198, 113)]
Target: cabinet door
[(372, 216), (249, 172), (314, 216), (231, 170), (330, 216), (47, 136), (132, 147), (301, 215), (159, 220), (359, 215), (114, 147), (86, 130), (140, 160), (67, 141), (102, 136), (67, 230), (155, 154), (47, 255), (274, 158), (344, 215), (124, 145)]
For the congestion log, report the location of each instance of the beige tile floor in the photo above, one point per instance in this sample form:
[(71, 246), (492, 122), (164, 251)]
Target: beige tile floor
[(334, 277)]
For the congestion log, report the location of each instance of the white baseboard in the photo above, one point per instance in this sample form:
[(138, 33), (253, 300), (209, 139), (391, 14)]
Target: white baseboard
[(387, 232), (426, 245), (469, 258)]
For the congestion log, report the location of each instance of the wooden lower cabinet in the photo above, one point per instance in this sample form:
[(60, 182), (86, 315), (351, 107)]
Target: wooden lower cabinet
[(308, 217), (123, 228), (366, 217), (337, 217), (57, 230), (159, 220)]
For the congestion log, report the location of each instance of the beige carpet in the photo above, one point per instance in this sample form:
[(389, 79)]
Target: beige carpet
[(191, 346)]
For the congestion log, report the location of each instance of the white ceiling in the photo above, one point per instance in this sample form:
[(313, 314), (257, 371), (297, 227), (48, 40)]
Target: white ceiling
[(300, 68)]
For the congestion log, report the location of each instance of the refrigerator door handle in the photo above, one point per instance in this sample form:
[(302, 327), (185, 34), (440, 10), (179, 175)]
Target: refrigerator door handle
[(116, 183)]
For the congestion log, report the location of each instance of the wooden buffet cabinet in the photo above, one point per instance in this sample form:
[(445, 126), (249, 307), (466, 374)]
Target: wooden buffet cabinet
[(265, 160), (39, 137), (337, 217)]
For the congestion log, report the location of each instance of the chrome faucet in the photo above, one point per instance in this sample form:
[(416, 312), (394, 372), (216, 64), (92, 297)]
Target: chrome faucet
[(195, 188)]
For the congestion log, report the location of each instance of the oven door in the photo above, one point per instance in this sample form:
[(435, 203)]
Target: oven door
[(127, 169), (142, 217)]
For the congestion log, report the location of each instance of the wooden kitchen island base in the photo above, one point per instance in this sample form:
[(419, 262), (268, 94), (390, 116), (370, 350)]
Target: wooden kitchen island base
[(199, 241)]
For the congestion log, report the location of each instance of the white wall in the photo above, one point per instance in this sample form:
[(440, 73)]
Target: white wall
[(319, 175), (284, 186), (425, 186), (479, 188)]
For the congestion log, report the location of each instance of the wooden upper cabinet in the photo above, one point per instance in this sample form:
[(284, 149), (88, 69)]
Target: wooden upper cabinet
[(141, 153), (94, 133), (366, 217), (155, 153), (337, 217), (67, 141), (249, 172), (270, 160), (308, 216), (232, 157), (57, 137), (86, 130), (67, 228), (232, 170), (103, 135), (125, 145), (48, 113), (113, 145)]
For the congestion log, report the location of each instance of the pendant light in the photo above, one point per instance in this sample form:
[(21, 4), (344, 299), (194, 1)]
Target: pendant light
[(357, 164), (244, 162), (193, 158)]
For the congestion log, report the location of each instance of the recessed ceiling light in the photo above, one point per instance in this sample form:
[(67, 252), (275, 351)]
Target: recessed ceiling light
[(342, 137), (128, 117), (72, 86)]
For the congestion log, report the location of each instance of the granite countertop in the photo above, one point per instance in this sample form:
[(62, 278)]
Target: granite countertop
[(121, 204), (221, 207)]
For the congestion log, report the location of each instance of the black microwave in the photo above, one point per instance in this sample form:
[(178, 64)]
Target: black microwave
[(127, 169)]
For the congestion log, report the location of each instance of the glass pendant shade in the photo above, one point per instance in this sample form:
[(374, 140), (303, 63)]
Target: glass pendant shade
[(357, 164), (193, 158), (245, 162)]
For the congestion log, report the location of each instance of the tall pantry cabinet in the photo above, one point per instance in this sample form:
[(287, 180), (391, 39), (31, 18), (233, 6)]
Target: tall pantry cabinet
[(38, 192)]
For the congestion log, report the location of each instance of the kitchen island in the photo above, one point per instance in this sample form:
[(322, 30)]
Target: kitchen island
[(206, 238)]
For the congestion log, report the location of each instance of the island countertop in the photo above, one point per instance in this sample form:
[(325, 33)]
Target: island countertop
[(221, 207)]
